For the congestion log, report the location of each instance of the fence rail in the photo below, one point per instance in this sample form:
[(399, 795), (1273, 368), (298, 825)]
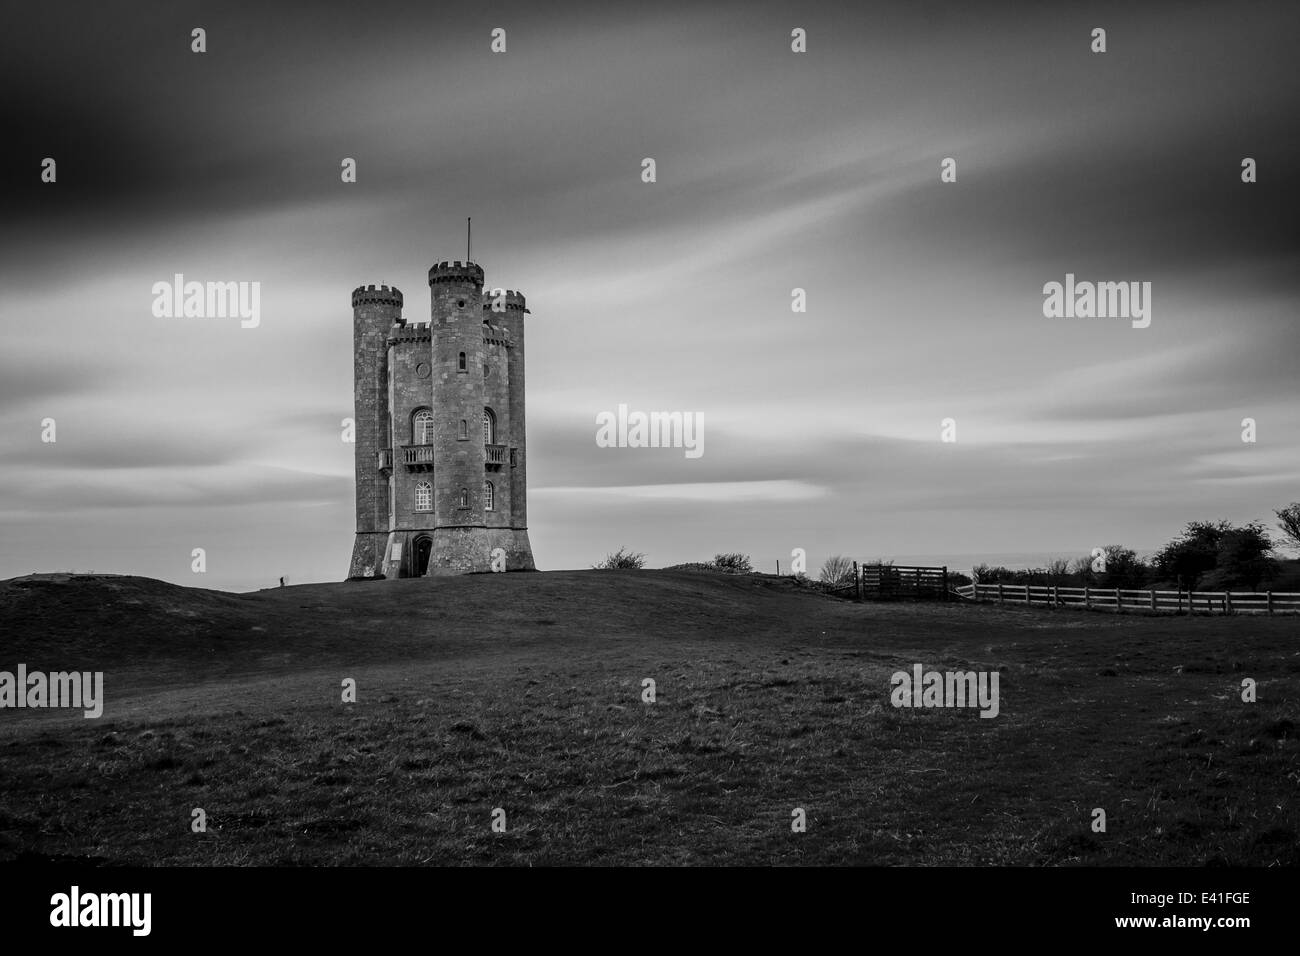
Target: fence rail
[(1120, 600)]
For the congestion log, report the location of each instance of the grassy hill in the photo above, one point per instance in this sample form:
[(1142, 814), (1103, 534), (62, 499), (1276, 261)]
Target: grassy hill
[(523, 691)]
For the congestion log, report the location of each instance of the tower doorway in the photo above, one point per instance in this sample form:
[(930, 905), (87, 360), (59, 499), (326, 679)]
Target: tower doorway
[(423, 548)]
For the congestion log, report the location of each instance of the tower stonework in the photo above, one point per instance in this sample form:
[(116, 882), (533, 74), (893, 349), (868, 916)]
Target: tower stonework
[(440, 442)]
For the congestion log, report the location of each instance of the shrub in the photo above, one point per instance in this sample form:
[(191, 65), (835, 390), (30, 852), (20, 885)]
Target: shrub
[(1058, 571), (1214, 554), (622, 560), (994, 574), (1244, 559), (1124, 569), (735, 563)]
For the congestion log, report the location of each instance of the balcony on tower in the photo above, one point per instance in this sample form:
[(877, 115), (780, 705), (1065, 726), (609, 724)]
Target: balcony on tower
[(495, 455), (417, 457), (385, 463)]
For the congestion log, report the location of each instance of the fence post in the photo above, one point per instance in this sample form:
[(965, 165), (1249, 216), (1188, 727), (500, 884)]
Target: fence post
[(857, 579), (1119, 602), (1056, 597), (1180, 600), (1153, 600), (999, 592), (945, 582), (1087, 597), (1026, 593), (1227, 602), (1269, 595)]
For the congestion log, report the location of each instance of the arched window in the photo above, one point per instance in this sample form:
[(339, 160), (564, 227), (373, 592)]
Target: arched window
[(489, 427), (464, 430), (461, 366), (423, 496), (489, 495), (422, 427), (464, 497)]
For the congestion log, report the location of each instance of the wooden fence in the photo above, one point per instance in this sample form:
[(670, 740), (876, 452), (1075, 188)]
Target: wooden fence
[(1120, 600), (892, 582)]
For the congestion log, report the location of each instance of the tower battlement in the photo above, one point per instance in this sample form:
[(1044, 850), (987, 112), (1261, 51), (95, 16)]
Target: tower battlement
[(455, 271), (496, 335), (514, 301), (410, 332), (376, 295)]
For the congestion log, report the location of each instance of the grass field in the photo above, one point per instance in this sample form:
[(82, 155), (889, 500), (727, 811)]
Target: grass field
[(523, 692)]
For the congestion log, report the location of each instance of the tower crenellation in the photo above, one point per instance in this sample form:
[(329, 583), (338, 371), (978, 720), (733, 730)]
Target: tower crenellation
[(410, 332), (511, 301), (441, 461), (456, 272), (377, 295), (496, 334)]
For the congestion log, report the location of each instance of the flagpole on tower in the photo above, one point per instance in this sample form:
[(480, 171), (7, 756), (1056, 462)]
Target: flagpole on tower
[(469, 240)]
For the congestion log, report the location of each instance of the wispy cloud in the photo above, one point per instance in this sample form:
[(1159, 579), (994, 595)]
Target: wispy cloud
[(775, 171)]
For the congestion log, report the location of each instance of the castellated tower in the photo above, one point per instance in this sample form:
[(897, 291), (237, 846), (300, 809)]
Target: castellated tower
[(441, 458)]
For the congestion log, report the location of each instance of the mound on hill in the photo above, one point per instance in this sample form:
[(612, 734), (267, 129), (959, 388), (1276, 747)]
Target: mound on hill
[(112, 621)]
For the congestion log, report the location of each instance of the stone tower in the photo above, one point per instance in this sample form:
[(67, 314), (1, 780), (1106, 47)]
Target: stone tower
[(441, 456)]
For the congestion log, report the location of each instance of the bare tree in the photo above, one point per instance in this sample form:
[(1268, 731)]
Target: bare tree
[(836, 570), (1289, 522)]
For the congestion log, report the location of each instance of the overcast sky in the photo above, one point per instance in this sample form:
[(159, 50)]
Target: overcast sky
[(775, 170)]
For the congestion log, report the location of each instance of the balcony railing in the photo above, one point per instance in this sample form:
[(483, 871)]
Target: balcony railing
[(420, 457), (385, 456), (417, 457)]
